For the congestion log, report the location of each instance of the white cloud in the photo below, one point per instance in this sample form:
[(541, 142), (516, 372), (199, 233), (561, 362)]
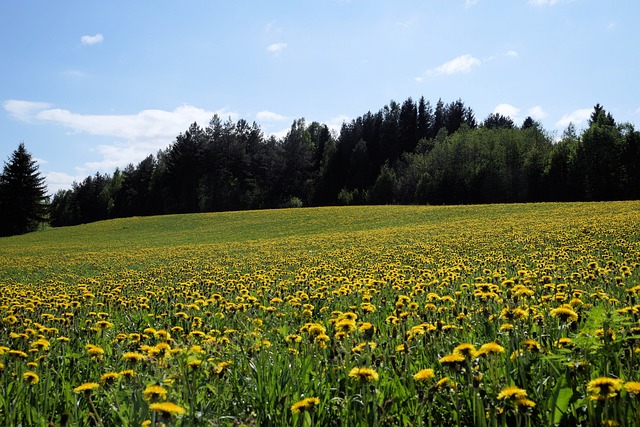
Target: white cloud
[(461, 64), (511, 54), (469, 3), (276, 48), (507, 110), (514, 113), (23, 110), (89, 40), (135, 135), (269, 116), (61, 181), (537, 113), (577, 117), (335, 123)]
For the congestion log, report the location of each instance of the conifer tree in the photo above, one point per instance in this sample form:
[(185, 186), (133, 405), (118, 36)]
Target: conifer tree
[(23, 199)]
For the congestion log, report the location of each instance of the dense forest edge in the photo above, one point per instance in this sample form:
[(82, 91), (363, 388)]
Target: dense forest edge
[(409, 153)]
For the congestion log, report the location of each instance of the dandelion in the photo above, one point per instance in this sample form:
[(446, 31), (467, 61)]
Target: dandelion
[(363, 374), (424, 375), (564, 313), (109, 378), (193, 364), (452, 360), (603, 388), (128, 373), (167, 408), (633, 388), (531, 345), (31, 377), (490, 348), (94, 350), (466, 350), (132, 356), (154, 392), (512, 393), (305, 405), (86, 387)]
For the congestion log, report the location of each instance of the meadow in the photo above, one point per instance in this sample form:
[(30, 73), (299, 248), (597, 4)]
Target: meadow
[(493, 315)]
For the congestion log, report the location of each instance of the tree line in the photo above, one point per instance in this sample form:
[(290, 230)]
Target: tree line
[(409, 153)]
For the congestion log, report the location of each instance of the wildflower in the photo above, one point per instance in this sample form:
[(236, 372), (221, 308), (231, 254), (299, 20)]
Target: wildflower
[(632, 387), (109, 378), (41, 344), (292, 338), (512, 393), (86, 387), (154, 392), (603, 388), (167, 408), (452, 360), (18, 353), (531, 345), (31, 377), (565, 343), (363, 374), (305, 405), (490, 348), (128, 373), (94, 350), (564, 313), (424, 375), (193, 364), (132, 356), (465, 349)]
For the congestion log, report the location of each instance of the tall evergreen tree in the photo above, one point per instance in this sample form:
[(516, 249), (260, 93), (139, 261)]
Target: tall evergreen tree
[(23, 199)]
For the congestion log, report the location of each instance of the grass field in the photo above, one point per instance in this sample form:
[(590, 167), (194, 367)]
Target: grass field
[(501, 315)]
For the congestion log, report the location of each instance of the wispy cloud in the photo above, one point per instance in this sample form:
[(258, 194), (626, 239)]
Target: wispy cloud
[(269, 116), (469, 3), (511, 54), (276, 48), (135, 135), (576, 117), (461, 64), (23, 110), (517, 114), (90, 40)]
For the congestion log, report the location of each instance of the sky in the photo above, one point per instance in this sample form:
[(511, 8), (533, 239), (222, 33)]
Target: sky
[(92, 86)]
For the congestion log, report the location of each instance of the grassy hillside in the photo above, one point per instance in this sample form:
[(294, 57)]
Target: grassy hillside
[(388, 315)]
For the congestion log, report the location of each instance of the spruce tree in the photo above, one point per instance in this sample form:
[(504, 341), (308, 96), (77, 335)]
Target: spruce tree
[(23, 199)]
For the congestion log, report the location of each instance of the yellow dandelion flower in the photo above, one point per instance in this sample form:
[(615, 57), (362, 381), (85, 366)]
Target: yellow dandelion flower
[(512, 393), (632, 387), (564, 313), (363, 374), (490, 348), (452, 359), (603, 388), (154, 392), (109, 378), (128, 373), (305, 405), (424, 375), (167, 408), (465, 349), (31, 377), (86, 387)]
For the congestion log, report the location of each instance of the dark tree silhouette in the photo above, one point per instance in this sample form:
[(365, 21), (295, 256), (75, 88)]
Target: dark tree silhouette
[(23, 200)]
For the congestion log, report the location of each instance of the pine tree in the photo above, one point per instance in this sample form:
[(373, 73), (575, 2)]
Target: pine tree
[(23, 199)]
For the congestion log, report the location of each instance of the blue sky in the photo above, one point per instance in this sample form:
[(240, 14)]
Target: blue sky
[(94, 85)]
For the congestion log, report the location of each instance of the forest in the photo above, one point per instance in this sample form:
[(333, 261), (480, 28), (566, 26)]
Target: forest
[(409, 153)]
